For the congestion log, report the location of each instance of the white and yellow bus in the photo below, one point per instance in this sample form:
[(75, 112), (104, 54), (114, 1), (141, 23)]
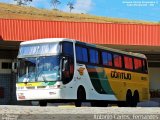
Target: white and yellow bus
[(66, 70)]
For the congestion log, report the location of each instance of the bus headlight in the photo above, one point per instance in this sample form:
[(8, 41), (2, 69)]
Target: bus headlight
[(21, 95)]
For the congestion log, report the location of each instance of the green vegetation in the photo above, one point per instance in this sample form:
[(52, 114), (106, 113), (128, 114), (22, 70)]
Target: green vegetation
[(10, 11)]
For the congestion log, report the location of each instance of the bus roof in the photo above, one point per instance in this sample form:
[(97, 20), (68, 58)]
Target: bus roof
[(51, 40), (115, 50), (46, 40)]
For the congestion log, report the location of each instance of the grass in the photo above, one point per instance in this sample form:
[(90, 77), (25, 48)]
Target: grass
[(10, 11)]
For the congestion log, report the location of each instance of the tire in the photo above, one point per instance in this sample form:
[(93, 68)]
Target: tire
[(43, 103), (81, 96), (135, 98), (129, 101)]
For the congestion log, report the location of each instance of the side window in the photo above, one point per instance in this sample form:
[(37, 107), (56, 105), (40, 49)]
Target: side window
[(81, 54), (128, 63), (117, 60), (85, 54), (107, 59), (94, 56), (145, 66), (138, 64), (68, 49)]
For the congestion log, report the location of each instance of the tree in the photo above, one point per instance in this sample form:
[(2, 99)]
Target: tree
[(22, 2), (70, 5), (55, 3)]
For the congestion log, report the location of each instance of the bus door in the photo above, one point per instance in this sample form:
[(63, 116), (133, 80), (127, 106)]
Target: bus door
[(67, 67)]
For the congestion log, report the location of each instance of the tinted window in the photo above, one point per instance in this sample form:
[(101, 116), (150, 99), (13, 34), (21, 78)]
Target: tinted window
[(85, 54), (81, 54), (128, 63), (117, 61), (107, 58), (145, 66), (93, 56), (138, 64), (68, 48)]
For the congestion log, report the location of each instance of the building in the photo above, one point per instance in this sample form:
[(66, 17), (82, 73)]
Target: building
[(141, 38)]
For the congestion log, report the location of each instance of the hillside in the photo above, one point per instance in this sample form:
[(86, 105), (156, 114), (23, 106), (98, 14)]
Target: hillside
[(10, 11)]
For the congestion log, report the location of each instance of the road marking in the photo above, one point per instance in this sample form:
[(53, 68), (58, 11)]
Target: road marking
[(66, 106)]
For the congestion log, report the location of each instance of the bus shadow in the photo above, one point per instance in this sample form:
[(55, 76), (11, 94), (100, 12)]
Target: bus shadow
[(148, 104)]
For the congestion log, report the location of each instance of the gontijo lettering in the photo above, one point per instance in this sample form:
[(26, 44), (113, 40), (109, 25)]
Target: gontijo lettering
[(121, 75)]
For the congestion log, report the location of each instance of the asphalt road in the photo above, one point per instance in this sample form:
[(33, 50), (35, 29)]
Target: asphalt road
[(82, 113)]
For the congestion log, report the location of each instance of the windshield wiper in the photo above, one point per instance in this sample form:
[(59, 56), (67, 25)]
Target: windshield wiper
[(26, 79)]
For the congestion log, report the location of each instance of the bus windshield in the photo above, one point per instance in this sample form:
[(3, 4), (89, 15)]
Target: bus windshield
[(37, 69)]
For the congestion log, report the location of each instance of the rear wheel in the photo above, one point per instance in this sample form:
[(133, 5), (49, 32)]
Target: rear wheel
[(43, 103), (129, 98), (81, 96), (135, 98)]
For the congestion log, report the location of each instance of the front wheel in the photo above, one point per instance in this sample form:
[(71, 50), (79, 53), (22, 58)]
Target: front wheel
[(81, 96)]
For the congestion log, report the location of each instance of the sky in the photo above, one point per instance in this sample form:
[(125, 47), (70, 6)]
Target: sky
[(148, 10)]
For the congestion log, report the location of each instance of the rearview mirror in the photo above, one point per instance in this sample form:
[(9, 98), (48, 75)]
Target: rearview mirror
[(14, 67), (64, 64)]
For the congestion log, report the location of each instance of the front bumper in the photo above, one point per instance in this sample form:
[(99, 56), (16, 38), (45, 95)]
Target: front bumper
[(39, 94)]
